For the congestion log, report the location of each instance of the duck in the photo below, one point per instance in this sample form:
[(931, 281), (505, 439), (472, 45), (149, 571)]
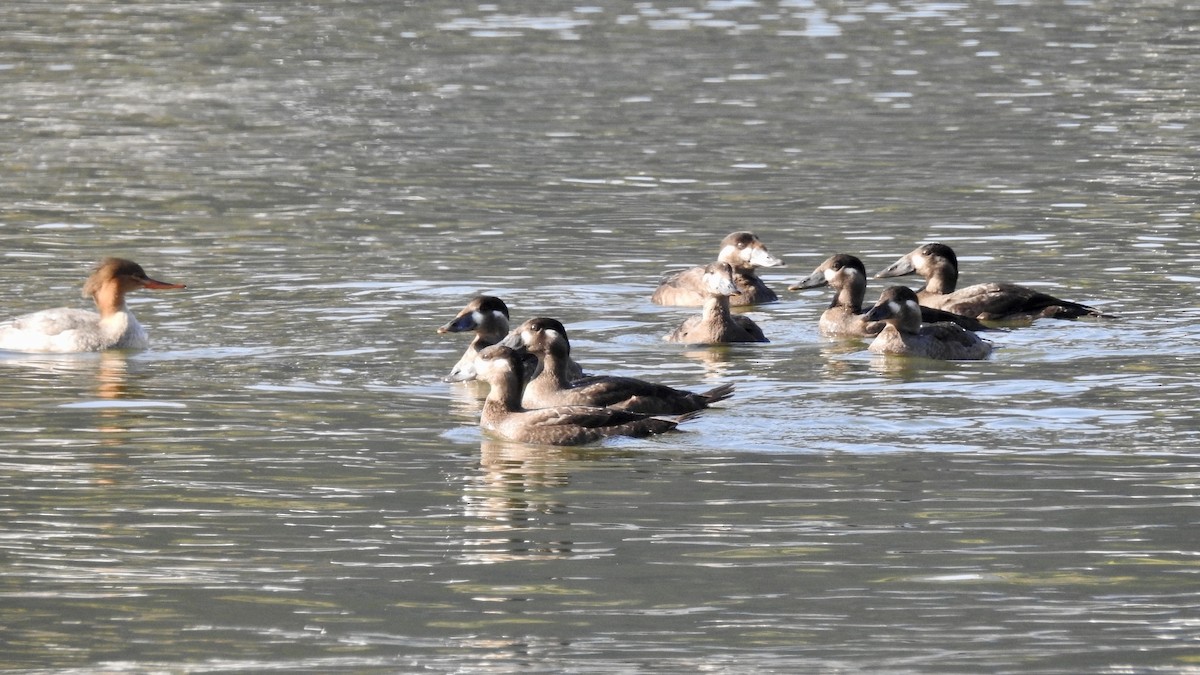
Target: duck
[(987, 302), (547, 339), (904, 335), (845, 316), (488, 316), (68, 330), (503, 415), (715, 324), (745, 252)]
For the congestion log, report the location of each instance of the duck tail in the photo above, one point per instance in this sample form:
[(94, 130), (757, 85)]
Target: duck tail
[(719, 393)]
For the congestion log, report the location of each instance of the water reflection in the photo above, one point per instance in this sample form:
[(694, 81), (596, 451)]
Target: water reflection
[(514, 498), (340, 177)]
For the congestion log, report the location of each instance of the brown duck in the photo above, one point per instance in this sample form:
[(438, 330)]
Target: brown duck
[(504, 416), (742, 250), (547, 339)]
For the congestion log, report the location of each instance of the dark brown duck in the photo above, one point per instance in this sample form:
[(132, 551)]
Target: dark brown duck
[(503, 415), (986, 302), (904, 335), (547, 339)]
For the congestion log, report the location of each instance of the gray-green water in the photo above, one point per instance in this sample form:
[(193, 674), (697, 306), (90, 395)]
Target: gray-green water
[(283, 482)]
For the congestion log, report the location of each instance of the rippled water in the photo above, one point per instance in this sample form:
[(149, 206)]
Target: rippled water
[(283, 481)]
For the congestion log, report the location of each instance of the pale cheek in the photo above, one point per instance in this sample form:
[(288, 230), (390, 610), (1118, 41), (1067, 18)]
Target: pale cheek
[(893, 307), (913, 306), (830, 275)]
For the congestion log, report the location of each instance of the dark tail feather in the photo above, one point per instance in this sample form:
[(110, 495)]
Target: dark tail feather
[(718, 393), (931, 315), (1065, 309), (680, 419)]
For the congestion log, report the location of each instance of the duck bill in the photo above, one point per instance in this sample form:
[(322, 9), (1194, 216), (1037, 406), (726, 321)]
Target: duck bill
[(878, 312), (155, 285), (727, 287), (460, 324), (898, 269), (514, 341), (815, 280), (760, 257)]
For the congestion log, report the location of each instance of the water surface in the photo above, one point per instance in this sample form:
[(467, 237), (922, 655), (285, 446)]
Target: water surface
[(283, 481)]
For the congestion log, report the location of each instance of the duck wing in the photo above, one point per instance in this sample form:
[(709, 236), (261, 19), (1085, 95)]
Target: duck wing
[(747, 324), (633, 394), (53, 321), (586, 416), (590, 422), (994, 301), (932, 315), (951, 341), (754, 291)]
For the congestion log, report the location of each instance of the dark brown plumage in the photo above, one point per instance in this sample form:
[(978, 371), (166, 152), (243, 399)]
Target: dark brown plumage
[(987, 302), (847, 275), (547, 339), (905, 335), (504, 416)]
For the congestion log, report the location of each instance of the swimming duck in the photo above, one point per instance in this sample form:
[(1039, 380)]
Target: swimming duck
[(745, 252), (847, 275), (66, 330), (715, 324), (503, 415), (486, 315), (988, 302), (905, 335), (547, 339)]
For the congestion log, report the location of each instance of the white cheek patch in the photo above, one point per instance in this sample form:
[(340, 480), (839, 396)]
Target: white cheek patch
[(497, 315), (526, 337), (830, 275), (893, 307), (553, 333), (477, 317), (912, 306), (732, 252)]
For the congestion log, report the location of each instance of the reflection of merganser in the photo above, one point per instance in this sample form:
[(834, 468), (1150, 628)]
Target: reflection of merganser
[(75, 330)]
